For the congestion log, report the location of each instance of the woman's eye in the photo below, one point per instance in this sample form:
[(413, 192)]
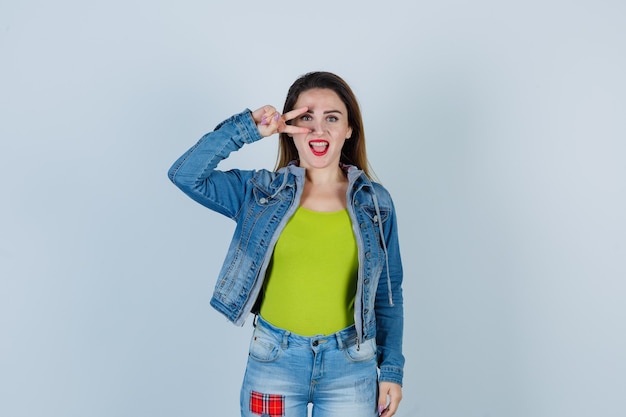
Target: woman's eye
[(306, 118), (332, 118)]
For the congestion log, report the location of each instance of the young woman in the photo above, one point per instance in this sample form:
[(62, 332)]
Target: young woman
[(314, 256)]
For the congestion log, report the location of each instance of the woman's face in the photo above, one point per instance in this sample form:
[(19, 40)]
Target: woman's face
[(327, 118)]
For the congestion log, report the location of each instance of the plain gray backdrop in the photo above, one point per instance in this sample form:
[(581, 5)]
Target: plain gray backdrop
[(499, 128)]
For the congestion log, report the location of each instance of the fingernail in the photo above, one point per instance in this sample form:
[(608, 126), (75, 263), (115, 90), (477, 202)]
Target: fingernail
[(380, 409), (263, 120), (276, 117)]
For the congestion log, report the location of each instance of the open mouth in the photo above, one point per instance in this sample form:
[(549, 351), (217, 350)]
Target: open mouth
[(319, 147)]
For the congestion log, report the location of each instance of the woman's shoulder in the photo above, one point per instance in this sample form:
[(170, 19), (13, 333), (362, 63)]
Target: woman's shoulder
[(373, 193), (271, 180), (382, 194), (380, 189)]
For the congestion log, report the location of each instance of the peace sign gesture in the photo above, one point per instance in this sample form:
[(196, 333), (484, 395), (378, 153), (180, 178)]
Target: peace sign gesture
[(269, 121)]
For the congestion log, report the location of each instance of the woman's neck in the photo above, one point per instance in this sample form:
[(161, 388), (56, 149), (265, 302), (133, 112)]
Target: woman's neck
[(324, 190), (325, 176)]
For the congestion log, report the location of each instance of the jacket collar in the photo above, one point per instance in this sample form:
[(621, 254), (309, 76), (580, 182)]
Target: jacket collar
[(351, 171)]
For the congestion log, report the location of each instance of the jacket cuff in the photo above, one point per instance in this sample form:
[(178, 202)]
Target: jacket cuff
[(391, 374), (245, 124)]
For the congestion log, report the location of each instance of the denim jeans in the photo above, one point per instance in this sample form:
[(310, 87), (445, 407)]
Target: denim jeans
[(286, 372)]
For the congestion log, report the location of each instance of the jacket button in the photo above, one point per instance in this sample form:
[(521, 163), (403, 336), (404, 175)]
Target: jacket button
[(263, 200), (367, 281), (366, 311), (368, 255)]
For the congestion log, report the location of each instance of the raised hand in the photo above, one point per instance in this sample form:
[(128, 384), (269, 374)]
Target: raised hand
[(269, 121)]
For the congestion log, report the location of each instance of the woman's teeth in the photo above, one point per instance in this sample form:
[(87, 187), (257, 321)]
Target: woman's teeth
[(319, 147)]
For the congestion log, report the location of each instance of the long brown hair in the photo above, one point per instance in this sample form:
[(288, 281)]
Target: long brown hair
[(353, 152)]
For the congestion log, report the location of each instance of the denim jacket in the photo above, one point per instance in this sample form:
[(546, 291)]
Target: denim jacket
[(261, 202)]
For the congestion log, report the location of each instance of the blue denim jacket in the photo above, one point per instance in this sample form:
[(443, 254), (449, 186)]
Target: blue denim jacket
[(261, 202)]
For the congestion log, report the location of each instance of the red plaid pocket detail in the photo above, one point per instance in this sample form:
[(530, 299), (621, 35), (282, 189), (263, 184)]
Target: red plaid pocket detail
[(272, 405)]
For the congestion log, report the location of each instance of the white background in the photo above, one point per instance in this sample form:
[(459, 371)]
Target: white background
[(499, 127)]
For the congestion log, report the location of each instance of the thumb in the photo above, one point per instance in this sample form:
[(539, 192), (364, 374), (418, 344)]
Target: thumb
[(382, 401)]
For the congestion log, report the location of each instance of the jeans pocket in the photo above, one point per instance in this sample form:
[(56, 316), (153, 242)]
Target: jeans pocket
[(363, 352), (263, 347)]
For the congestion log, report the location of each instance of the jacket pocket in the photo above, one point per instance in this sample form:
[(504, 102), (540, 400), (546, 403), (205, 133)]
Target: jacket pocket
[(370, 211)]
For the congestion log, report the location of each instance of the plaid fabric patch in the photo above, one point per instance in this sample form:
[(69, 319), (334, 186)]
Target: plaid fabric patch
[(272, 405)]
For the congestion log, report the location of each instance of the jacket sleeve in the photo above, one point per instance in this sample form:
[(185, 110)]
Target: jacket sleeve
[(195, 171), (390, 317)]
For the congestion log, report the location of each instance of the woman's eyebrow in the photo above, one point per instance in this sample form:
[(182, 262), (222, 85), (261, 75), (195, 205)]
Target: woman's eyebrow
[(312, 110)]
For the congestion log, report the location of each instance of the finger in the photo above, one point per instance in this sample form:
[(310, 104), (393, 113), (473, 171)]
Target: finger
[(394, 398), (391, 408), (290, 129), (382, 401), (271, 118), (290, 115), (389, 411), (261, 114), (272, 121)]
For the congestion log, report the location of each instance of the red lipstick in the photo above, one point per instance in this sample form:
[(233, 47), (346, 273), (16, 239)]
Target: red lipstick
[(319, 147)]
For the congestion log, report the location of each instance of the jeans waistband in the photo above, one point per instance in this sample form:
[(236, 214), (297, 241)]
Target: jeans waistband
[(345, 338)]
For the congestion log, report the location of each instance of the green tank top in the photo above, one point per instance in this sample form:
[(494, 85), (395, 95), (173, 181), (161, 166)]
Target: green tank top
[(311, 282)]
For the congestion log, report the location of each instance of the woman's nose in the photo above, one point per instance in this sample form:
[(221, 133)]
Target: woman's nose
[(318, 129)]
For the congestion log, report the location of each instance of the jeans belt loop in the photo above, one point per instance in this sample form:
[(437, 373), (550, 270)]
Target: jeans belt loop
[(340, 341)]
